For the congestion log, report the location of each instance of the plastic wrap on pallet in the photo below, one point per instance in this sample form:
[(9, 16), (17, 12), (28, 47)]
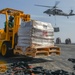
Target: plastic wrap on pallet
[(37, 33)]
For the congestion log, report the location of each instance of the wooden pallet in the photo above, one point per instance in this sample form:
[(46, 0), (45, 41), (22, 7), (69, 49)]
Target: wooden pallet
[(54, 49), (33, 52)]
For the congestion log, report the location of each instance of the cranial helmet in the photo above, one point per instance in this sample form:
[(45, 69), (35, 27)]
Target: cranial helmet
[(11, 18)]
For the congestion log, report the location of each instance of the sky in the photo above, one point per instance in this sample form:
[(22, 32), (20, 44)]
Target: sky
[(66, 25)]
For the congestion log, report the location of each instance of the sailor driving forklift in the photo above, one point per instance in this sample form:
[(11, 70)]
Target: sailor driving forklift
[(10, 22)]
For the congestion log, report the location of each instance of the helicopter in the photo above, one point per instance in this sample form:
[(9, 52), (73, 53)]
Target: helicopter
[(53, 10)]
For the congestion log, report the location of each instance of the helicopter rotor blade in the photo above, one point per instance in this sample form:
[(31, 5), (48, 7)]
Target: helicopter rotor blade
[(52, 7), (56, 3), (44, 6)]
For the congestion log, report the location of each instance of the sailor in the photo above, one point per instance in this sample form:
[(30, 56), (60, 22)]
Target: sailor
[(10, 23)]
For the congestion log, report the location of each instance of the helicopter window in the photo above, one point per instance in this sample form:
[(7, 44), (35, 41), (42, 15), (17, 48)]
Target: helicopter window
[(60, 10)]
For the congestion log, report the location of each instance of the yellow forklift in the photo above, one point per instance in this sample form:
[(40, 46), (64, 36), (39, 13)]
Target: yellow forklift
[(8, 35)]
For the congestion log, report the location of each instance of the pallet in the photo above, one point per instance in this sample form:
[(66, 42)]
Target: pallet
[(33, 52), (54, 49)]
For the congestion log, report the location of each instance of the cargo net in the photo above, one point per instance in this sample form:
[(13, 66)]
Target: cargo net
[(42, 37), (28, 36), (73, 61), (23, 68)]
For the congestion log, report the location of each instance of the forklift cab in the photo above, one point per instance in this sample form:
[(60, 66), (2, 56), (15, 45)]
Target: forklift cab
[(10, 23)]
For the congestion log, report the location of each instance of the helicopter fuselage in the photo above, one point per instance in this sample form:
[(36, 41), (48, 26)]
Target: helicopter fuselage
[(57, 12)]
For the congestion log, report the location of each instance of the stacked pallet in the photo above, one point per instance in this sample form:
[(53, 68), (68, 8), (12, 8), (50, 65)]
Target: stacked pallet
[(35, 37)]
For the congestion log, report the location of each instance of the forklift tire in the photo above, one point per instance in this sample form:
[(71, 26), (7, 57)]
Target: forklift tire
[(6, 49)]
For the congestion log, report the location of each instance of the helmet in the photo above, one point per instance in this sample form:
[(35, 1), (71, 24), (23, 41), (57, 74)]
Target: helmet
[(11, 18)]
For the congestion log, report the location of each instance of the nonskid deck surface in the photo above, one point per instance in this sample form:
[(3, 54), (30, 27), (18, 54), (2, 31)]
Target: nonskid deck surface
[(53, 62)]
